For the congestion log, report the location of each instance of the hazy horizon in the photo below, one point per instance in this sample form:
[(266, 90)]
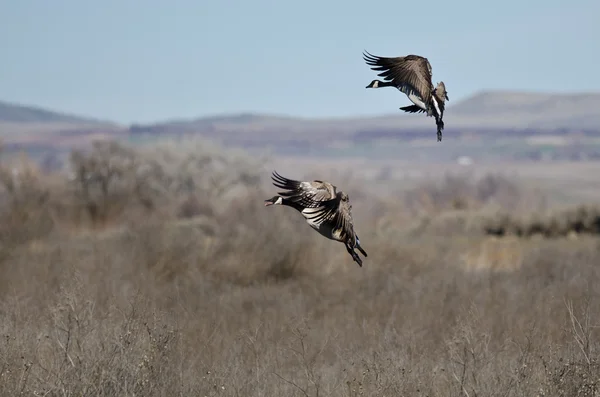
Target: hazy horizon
[(290, 115)]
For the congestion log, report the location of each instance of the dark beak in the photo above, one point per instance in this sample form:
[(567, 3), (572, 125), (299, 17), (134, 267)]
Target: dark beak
[(368, 86)]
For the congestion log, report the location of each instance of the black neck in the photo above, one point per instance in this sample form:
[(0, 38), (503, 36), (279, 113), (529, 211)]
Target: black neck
[(386, 84), (285, 201)]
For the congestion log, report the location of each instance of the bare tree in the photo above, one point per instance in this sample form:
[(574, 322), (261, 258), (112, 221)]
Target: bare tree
[(102, 179)]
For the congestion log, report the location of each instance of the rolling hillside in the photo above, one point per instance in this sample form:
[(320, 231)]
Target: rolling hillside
[(37, 129), (14, 113), (485, 111), (487, 118)]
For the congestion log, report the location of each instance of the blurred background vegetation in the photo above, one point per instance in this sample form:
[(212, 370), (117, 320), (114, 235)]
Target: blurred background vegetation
[(155, 269)]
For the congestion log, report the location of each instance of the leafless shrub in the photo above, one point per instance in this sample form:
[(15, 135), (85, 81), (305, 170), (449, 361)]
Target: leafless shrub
[(24, 202), (104, 181), (201, 177), (460, 192)]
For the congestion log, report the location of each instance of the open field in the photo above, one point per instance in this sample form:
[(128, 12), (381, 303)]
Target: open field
[(157, 271)]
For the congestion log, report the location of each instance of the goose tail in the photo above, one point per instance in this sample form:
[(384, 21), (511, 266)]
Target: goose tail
[(440, 128)]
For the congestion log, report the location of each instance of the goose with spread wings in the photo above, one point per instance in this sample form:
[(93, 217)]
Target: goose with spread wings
[(411, 74), (325, 209)]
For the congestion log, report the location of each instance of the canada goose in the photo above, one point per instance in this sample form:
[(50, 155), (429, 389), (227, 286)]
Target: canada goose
[(325, 209), (411, 75)]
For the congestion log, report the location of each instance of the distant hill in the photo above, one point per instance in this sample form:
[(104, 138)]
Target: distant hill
[(35, 129), (483, 114), (487, 109), (487, 116), (530, 110), (14, 113)]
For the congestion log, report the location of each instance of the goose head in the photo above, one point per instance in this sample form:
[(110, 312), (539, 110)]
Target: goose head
[(375, 84), (275, 200)]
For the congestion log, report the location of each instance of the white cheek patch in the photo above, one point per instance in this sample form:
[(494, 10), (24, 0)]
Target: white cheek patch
[(279, 201), (376, 84)]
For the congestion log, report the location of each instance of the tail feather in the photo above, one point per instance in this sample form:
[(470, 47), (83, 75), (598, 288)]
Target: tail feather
[(440, 128)]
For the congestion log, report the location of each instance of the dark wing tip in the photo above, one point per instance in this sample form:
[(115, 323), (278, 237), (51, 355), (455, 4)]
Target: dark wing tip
[(279, 177), (368, 54), (412, 109), (283, 182), (276, 177), (370, 59)]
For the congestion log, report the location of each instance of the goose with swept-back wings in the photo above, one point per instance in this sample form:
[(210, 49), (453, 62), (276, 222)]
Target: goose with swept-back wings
[(411, 74), (325, 209)]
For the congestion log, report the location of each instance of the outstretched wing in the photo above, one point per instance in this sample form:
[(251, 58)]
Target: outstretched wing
[(307, 194), (411, 72), (338, 213)]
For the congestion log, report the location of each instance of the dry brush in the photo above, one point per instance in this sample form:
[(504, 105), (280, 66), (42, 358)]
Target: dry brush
[(157, 271)]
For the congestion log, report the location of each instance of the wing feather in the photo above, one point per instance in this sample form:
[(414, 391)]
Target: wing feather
[(307, 194), (339, 214), (412, 109), (411, 70)]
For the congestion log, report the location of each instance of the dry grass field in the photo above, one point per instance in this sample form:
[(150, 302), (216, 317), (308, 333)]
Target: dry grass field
[(159, 272)]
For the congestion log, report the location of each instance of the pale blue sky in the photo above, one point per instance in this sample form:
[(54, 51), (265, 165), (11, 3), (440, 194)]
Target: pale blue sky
[(143, 61)]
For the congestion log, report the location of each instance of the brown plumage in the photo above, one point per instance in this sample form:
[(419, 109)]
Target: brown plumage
[(412, 70), (439, 92), (411, 74), (324, 208), (307, 194)]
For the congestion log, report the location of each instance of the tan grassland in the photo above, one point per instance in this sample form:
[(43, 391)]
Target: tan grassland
[(157, 271)]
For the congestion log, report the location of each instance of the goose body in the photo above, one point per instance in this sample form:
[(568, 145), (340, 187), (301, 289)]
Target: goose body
[(411, 75), (325, 209)]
